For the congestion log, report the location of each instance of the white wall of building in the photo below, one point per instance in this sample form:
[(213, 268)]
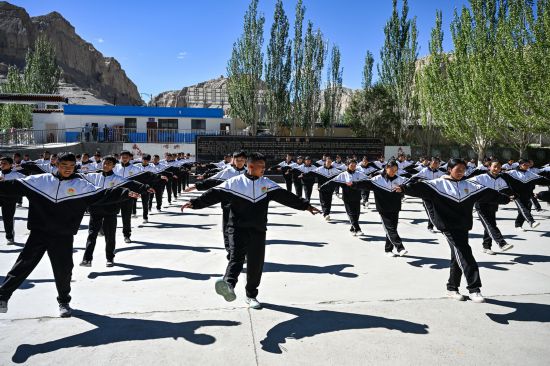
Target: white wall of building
[(62, 121), (159, 149)]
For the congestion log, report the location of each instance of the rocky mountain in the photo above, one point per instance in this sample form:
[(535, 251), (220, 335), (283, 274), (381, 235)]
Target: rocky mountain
[(213, 94), (83, 66)]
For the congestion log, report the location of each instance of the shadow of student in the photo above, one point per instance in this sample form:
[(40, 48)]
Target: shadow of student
[(167, 225), (27, 284), (309, 323), (141, 273), (442, 263), (523, 312), (528, 259), (150, 245), (316, 244), (367, 238), (335, 269), (109, 330)]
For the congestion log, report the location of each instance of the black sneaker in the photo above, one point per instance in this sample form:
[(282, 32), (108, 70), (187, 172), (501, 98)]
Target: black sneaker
[(86, 263), (65, 310), (10, 242)]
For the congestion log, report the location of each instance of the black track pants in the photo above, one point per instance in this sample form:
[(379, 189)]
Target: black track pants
[(462, 262)]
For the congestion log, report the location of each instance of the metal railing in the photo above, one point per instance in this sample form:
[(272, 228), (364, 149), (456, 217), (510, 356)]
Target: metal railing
[(30, 137)]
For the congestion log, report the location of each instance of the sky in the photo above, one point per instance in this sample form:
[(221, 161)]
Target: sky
[(168, 44)]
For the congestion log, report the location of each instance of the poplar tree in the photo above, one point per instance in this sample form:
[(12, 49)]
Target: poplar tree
[(333, 93), (244, 70), (278, 71), (297, 116)]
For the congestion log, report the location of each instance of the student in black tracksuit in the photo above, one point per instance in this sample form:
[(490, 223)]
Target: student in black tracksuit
[(238, 168), (161, 185), (249, 196), (284, 167), (351, 197), (486, 211), (295, 173), (366, 168), (523, 182), (150, 176), (323, 175), (453, 199), (307, 180), (387, 196), (105, 216), (9, 203), (429, 173), (57, 205)]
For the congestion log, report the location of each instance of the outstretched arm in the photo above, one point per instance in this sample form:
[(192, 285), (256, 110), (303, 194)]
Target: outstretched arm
[(289, 199), (208, 198)]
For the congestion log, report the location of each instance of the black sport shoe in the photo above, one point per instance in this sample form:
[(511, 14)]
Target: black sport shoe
[(110, 263), (127, 239), (65, 310)]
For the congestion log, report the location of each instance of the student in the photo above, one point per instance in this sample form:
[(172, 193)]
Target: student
[(9, 203), (510, 165), (368, 169), (351, 197), (486, 211), (126, 169), (146, 196), (341, 166), (523, 182), (160, 168), (57, 205), (323, 175), (453, 199), (387, 196), (295, 174), (284, 167), (308, 180), (429, 173), (238, 168), (105, 216), (249, 196)]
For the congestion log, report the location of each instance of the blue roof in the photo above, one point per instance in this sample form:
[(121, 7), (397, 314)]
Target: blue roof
[(114, 110)]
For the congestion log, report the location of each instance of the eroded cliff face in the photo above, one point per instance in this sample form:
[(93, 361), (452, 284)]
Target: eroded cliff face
[(82, 64)]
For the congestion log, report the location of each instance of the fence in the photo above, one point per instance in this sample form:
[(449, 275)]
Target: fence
[(30, 137)]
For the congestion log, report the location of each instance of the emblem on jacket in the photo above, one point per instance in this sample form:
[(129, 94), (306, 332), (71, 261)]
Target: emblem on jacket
[(71, 191), (264, 189)]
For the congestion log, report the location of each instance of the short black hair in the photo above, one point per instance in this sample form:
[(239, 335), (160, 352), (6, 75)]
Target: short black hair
[(454, 162), (125, 152), (66, 157), (523, 161), (17, 154), (111, 159), (254, 157), (239, 154), (391, 164), (7, 159), (307, 158), (156, 156), (351, 161), (146, 157)]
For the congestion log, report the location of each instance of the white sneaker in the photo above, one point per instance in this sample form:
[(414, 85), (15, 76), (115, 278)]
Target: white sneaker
[(3, 306), (455, 295), (402, 252), (519, 228), (433, 231), (353, 233), (390, 254), (358, 233), (145, 221), (506, 247), (488, 251), (477, 297), (127, 239), (253, 303), (534, 224), (10, 242), (159, 210), (327, 218), (225, 289), (134, 216)]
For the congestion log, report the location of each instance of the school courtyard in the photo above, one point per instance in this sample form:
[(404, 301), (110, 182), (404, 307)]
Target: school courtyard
[(329, 298)]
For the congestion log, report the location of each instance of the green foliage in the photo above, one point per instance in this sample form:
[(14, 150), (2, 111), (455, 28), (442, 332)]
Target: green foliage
[(41, 73), (296, 85), (278, 71), (367, 71), (244, 70), (371, 113), (14, 115), (330, 114), (398, 61)]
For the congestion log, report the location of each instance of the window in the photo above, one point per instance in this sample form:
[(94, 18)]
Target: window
[(168, 124), (130, 123), (198, 124)]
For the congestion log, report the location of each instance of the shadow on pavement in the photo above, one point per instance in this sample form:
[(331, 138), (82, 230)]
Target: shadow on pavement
[(523, 312), (113, 330), (309, 323), (317, 244), (140, 273), (441, 263), (335, 269), (149, 245)]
